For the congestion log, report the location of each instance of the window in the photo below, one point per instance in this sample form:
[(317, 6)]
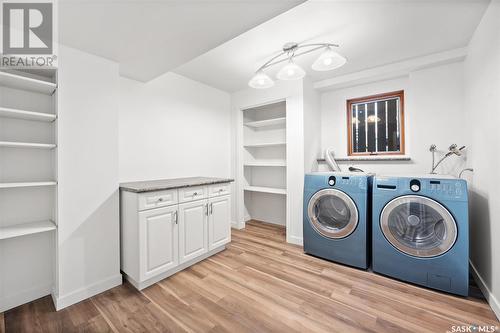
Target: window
[(376, 124)]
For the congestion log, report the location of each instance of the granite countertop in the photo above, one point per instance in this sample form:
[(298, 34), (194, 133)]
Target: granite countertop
[(167, 184)]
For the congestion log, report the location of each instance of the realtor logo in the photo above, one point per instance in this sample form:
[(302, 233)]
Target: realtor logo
[(27, 28)]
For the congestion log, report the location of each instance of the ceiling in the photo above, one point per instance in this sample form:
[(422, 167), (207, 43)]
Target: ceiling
[(149, 38), (370, 33)]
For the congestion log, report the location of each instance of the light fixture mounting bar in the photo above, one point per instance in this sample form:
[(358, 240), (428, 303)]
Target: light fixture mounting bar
[(292, 47)]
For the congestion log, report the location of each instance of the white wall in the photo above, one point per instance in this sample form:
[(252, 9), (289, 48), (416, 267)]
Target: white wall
[(173, 127), (433, 114), (88, 237), (482, 111), (293, 93), (312, 126)]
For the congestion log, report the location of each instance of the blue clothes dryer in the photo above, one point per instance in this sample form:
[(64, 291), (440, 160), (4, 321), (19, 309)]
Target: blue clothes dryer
[(421, 231), (336, 217)]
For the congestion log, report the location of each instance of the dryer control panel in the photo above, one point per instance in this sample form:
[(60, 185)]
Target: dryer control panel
[(445, 189)]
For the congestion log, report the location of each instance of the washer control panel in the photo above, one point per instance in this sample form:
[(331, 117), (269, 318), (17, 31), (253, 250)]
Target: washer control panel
[(332, 180)]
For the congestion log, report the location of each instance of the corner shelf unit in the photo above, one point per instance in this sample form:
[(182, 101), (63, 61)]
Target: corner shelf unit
[(263, 163), (28, 183)]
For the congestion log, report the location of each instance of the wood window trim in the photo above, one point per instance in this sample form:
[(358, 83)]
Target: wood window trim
[(349, 102)]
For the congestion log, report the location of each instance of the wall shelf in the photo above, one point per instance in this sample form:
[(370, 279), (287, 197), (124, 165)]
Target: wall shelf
[(266, 163), (26, 229), (26, 83), (263, 145), (267, 122), (372, 158), (263, 189), (27, 184), (9, 144), (26, 115)]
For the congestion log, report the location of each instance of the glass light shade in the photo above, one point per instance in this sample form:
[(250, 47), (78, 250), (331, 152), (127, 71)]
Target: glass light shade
[(328, 60), (261, 81), (291, 71), (372, 119)]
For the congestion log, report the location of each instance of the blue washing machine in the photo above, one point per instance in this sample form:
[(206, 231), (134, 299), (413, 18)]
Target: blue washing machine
[(421, 231), (336, 218)]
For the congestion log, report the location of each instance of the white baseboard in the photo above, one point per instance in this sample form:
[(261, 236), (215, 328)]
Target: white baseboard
[(492, 300), (237, 225), (24, 297), (144, 284), (81, 294), (294, 240)]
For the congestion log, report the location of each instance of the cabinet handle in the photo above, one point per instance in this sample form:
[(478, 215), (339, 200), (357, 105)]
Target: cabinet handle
[(176, 217), (211, 208), (195, 193), (160, 199), (206, 209)]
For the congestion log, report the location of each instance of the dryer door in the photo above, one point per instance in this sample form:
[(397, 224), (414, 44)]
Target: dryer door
[(418, 226), (332, 213)]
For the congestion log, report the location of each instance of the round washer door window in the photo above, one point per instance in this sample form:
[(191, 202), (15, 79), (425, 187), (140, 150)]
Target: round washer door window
[(418, 226), (332, 213)]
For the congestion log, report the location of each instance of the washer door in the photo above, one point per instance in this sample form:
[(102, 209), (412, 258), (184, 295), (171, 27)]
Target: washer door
[(332, 213), (418, 226)]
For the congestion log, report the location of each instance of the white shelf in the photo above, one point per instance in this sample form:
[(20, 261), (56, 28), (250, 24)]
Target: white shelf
[(9, 144), (266, 123), (26, 83), (27, 115), (27, 184), (266, 163), (262, 145), (265, 189), (26, 229)]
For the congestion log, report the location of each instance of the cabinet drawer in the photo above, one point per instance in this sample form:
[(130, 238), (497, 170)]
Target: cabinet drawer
[(157, 199), (192, 193), (218, 189)]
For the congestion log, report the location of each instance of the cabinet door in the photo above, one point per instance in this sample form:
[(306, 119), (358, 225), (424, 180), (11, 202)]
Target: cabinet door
[(219, 226), (158, 234), (193, 238)]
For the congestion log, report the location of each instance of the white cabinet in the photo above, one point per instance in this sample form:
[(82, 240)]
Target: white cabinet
[(165, 231), (193, 240), (158, 233), (219, 231)]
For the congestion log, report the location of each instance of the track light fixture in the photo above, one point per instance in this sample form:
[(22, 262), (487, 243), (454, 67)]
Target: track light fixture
[(328, 60)]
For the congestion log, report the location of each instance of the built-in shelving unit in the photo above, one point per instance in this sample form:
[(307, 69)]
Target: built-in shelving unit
[(263, 163), (25, 229), (28, 183), (27, 115), (27, 83)]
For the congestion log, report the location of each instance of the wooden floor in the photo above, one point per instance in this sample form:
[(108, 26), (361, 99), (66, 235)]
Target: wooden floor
[(259, 284)]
